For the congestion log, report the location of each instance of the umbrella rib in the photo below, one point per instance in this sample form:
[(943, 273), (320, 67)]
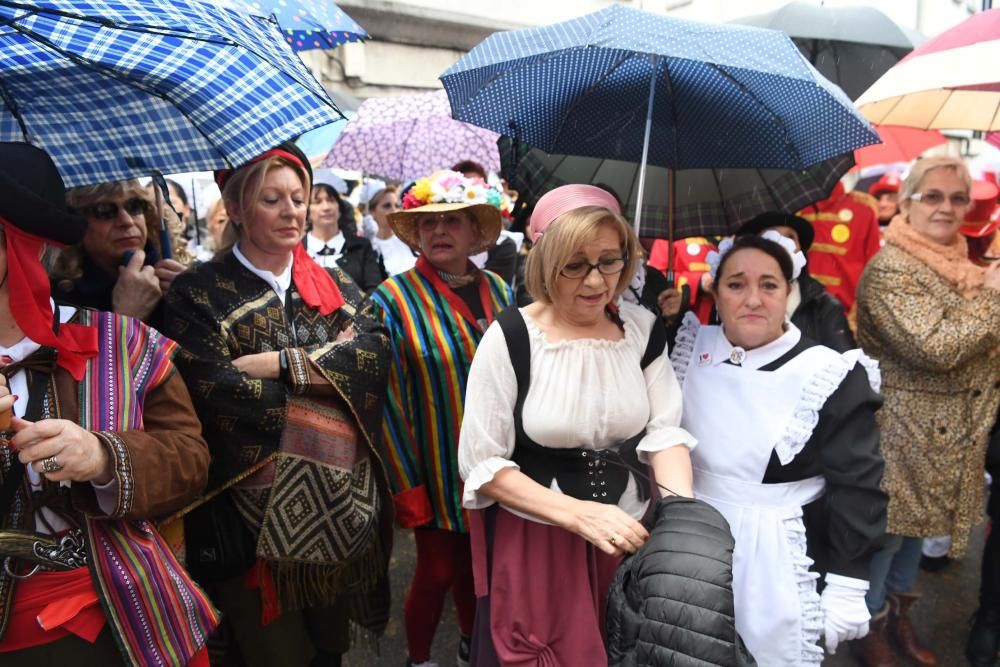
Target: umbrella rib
[(718, 184), (103, 71), (12, 105), (562, 159), (631, 187), (996, 117), (751, 95), (940, 108), (402, 153), (581, 98)]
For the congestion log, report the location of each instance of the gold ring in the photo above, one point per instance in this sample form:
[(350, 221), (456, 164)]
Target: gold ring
[(51, 464), (613, 539)]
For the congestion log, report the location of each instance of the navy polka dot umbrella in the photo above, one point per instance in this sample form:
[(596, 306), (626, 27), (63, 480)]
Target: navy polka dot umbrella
[(624, 84)]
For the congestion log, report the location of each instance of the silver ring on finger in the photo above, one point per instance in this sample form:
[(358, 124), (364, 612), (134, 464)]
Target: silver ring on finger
[(51, 464), (613, 540)]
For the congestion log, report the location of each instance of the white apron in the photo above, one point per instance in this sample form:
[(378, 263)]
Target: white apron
[(740, 416)]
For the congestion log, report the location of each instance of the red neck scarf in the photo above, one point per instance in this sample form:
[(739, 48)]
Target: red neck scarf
[(427, 270), (28, 295), (313, 283)]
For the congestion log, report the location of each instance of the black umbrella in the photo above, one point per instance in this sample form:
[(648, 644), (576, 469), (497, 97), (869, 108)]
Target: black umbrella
[(677, 203), (851, 46)]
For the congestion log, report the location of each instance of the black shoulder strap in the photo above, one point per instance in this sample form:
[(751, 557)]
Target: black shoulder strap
[(515, 332), (656, 344)]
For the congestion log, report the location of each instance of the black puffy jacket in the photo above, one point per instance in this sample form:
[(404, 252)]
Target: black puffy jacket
[(671, 603), (821, 317)]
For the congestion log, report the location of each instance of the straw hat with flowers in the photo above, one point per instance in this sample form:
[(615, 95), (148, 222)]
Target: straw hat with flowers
[(446, 191)]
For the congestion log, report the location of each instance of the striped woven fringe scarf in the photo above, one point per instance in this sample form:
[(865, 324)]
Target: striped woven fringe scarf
[(163, 616)]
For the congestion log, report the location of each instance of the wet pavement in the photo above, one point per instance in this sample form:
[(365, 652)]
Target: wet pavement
[(941, 616)]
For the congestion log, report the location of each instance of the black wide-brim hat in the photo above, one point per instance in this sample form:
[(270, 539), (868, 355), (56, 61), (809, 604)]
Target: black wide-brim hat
[(778, 219), (33, 195)]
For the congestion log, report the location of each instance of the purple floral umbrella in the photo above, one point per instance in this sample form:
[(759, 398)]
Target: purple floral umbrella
[(404, 137)]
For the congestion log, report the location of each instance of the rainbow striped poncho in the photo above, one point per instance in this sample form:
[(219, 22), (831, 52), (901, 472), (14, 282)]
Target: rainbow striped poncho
[(432, 348)]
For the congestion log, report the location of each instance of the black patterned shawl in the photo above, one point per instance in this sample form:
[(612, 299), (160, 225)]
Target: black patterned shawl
[(220, 311)]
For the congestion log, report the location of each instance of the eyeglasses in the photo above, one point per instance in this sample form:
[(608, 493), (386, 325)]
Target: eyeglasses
[(108, 210), (607, 267), (430, 222), (936, 198)]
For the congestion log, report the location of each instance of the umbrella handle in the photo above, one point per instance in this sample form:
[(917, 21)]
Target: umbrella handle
[(159, 189)]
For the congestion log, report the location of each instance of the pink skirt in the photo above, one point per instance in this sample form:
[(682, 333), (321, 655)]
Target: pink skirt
[(541, 594)]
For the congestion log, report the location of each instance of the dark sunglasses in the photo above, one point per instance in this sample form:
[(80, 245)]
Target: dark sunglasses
[(108, 210)]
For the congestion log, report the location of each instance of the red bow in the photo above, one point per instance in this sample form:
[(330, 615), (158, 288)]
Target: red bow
[(29, 298)]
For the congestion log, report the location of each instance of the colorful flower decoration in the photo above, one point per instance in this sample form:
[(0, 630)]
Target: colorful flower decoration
[(451, 187)]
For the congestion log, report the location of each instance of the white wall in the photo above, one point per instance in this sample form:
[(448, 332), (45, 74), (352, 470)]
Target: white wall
[(414, 41)]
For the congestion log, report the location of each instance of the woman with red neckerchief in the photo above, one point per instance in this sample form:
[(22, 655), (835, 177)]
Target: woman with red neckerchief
[(292, 539), (436, 314)]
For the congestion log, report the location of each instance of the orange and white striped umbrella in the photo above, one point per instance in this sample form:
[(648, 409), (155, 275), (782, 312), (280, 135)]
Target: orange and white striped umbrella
[(950, 82)]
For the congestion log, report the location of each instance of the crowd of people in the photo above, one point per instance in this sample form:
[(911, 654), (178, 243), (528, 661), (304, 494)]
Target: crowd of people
[(209, 453)]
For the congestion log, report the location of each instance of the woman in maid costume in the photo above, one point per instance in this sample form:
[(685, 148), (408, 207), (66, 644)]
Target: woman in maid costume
[(788, 452)]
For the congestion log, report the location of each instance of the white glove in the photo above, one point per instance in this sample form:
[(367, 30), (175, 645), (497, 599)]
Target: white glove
[(845, 614)]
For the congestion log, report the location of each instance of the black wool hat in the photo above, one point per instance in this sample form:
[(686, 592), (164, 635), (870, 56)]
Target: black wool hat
[(778, 219), (33, 195)]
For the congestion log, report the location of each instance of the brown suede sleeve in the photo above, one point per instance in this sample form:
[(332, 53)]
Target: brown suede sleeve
[(157, 470)]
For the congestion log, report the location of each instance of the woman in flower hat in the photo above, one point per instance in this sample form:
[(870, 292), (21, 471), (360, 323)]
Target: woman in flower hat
[(436, 314)]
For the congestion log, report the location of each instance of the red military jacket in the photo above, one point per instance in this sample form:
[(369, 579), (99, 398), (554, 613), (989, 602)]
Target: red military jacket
[(690, 262), (847, 236)]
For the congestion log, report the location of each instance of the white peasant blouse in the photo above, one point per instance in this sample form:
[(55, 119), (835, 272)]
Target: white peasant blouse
[(584, 393)]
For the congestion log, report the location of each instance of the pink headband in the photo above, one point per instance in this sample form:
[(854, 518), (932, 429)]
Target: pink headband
[(566, 198)]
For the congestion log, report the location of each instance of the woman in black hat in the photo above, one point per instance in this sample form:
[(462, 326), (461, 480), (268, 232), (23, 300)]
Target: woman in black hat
[(103, 437)]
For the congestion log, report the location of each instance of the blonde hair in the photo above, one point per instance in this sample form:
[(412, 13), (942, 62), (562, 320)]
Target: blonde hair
[(565, 237), (373, 202), (67, 267), (243, 188), (925, 165)]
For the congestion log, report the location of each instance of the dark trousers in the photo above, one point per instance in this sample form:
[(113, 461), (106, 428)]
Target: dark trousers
[(69, 651), (293, 640), (989, 585)]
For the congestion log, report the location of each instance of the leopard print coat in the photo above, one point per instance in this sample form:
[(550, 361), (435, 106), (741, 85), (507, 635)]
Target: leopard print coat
[(941, 385)]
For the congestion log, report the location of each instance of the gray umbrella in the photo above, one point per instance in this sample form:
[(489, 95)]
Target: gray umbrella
[(851, 46)]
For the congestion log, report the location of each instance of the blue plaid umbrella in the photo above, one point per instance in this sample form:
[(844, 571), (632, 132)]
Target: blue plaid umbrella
[(119, 88), (310, 24)]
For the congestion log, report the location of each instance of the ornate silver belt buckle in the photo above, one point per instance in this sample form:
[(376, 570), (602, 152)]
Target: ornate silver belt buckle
[(69, 554)]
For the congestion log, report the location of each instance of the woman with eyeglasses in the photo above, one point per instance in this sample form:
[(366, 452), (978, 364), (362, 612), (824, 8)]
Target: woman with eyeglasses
[(552, 391), (436, 314), (932, 318), (119, 266)]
